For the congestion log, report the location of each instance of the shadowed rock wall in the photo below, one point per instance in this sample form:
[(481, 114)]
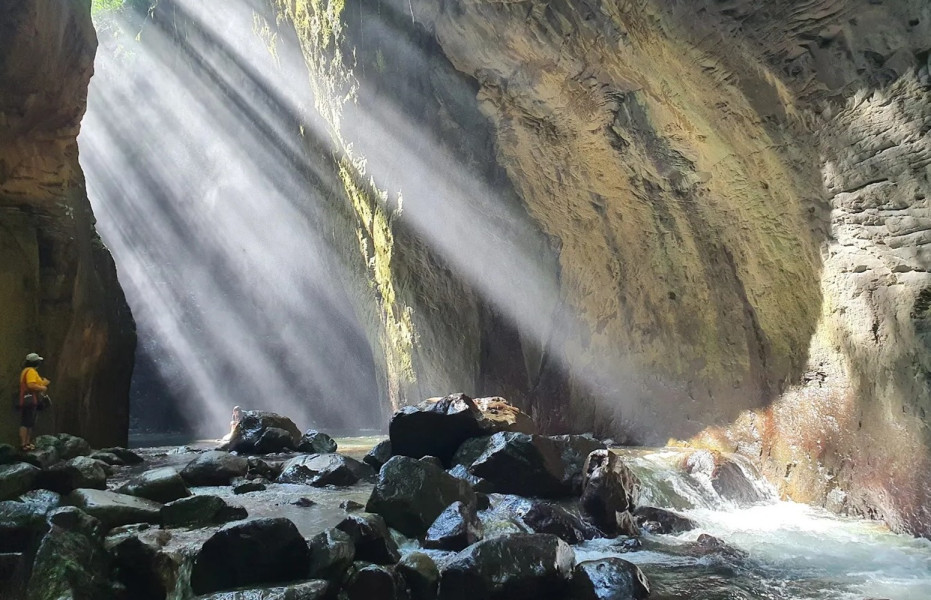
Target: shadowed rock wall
[(59, 294), (727, 205)]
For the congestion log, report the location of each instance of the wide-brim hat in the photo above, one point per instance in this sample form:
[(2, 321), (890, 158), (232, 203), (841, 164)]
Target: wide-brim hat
[(33, 357)]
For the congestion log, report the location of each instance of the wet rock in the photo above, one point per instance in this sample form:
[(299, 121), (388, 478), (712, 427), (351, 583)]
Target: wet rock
[(304, 502), (45, 499), (469, 450), (434, 427), (372, 540), (214, 468), (351, 505), (478, 484), (263, 551), (432, 460), (9, 454), (22, 525), (608, 491), (274, 439), (315, 442), (247, 438), (533, 465), (658, 520), (374, 582), (127, 456), (731, 483), (378, 455), (421, 574), (113, 509), (517, 566), (457, 527), (136, 565), (411, 494), (16, 478), (608, 579), (13, 574), (331, 553), (261, 468), (106, 457), (323, 469), (66, 446), (71, 561), (708, 544), (248, 486), (537, 516), (159, 485), (306, 590), (199, 511)]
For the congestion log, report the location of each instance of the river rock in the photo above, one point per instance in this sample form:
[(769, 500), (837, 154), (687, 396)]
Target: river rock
[(534, 465), (71, 561), (731, 483), (421, 574), (331, 553), (262, 551), (515, 514), (159, 485), (137, 564), (113, 509), (608, 491), (500, 415), (315, 442), (248, 435), (608, 579), (662, 521), (478, 484), (305, 590), (106, 457), (199, 511), (247, 487), (22, 525), (16, 478), (127, 456), (378, 455), (411, 494), (371, 538), (435, 427), (517, 566), (374, 582), (266, 469), (457, 527), (215, 468), (66, 446), (323, 469)]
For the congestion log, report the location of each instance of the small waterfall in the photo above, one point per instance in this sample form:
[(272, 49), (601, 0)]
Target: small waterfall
[(684, 479)]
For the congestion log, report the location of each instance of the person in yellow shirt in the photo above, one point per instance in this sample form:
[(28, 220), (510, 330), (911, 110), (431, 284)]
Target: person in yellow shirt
[(31, 385)]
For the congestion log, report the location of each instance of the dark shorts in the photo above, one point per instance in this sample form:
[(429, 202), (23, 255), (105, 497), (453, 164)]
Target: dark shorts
[(28, 416)]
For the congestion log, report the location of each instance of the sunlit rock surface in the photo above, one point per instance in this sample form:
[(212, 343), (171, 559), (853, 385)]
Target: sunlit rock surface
[(59, 294), (718, 208)]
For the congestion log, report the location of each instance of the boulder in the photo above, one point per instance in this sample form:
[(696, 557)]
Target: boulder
[(127, 456), (22, 525), (411, 494), (534, 465), (435, 427), (608, 491), (331, 553), (113, 509), (323, 469), (246, 487), (136, 565), (457, 527), (159, 485), (517, 566), (374, 582), (662, 521), (499, 415), (9, 454), (269, 470), (16, 478), (378, 455), (262, 551), (478, 484), (66, 446), (215, 468), (315, 442), (731, 483), (421, 574), (107, 457), (371, 539), (248, 435), (305, 590), (608, 579), (513, 514), (199, 511), (71, 561)]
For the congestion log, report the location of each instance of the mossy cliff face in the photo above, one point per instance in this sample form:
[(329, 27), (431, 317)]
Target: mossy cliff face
[(59, 293), (729, 201)]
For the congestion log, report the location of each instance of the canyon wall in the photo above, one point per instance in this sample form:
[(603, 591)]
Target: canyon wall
[(59, 294), (717, 216)]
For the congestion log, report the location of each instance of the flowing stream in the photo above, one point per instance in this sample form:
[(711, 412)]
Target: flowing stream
[(775, 550)]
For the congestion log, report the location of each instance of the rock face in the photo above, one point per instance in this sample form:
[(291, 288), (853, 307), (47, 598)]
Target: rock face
[(716, 213), (58, 289)]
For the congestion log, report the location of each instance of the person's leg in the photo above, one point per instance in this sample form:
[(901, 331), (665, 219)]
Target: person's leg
[(26, 425), (23, 437)]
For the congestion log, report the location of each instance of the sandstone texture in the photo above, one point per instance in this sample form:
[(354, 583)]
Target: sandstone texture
[(59, 294), (650, 219)]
